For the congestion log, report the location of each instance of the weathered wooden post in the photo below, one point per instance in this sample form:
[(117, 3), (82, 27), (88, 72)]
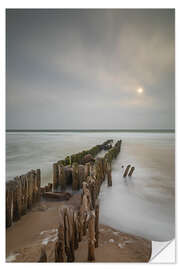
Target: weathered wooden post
[(22, 179), (24, 197), (55, 176), (76, 231), (62, 179), (29, 199), (91, 170), (93, 193), (81, 220), (9, 205), (92, 190), (126, 171), (50, 187), (71, 232), (131, 171), (69, 253), (97, 224), (75, 176), (80, 225), (87, 170), (38, 172), (85, 224), (97, 175), (109, 173), (60, 255), (36, 186), (43, 256), (42, 191), (102, 169), (81, 175), (18, 198), (15, 206), (91, 237), (32, 185)]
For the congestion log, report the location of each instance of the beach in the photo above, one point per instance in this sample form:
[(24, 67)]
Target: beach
[(138, 207), (39, 227)]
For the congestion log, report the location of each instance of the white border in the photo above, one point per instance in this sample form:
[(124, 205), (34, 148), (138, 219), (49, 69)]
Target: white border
[(72, 4)]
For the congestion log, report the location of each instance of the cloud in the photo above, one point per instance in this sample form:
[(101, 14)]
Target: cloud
[(74, 65)]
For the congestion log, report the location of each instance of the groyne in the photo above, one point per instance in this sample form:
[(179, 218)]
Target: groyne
[(24, 191), (21, 194), (74, 224)]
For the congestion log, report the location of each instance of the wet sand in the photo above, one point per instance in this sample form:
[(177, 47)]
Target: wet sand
[(39, 227)]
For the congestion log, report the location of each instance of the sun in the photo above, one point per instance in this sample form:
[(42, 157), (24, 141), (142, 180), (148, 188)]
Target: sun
[(140, 90)]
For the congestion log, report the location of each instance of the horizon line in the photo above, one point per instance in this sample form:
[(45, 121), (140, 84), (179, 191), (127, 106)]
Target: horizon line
[(85, 130)]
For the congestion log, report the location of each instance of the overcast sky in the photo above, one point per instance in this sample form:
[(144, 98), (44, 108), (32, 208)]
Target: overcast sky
[(81, 69)]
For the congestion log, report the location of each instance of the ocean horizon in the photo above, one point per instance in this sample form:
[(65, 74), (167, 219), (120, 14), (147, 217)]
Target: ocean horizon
[(93, 130)]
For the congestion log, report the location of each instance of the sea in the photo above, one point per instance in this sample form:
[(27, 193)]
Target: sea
[(142, 205)]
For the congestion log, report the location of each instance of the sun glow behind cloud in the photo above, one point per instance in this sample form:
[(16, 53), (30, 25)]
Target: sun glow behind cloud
[(63, 64), (140, 90)]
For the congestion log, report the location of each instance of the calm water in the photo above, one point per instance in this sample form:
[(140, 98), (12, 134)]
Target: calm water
[(142, 205)]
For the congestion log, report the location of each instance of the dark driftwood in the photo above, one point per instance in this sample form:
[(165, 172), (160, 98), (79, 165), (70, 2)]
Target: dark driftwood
[(61, 196)]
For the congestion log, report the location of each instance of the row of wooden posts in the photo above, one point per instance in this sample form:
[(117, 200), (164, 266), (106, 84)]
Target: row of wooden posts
[(74, 174), (23, 191), (74, 224), (21, 194), (79, 157), (127, 170)]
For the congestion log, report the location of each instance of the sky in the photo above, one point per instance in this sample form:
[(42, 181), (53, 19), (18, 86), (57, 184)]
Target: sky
[(90, 69)]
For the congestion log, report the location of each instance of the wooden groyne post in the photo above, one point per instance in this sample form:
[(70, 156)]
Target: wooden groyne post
[(60, 255), (75, 176), (21, 194), (91, 237), (43, 256), (97, 225), (108, 170), (131, 171), (74, 224), (55, 176), (126, 171), (62, 179)]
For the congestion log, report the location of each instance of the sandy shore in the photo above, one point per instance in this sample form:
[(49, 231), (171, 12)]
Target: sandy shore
[(39, 227)]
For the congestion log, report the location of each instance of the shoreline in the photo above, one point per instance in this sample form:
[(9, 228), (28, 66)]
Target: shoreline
[(39, 227)]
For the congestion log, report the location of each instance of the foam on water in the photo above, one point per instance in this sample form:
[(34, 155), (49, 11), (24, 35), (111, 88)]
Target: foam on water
[(144, 203)]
